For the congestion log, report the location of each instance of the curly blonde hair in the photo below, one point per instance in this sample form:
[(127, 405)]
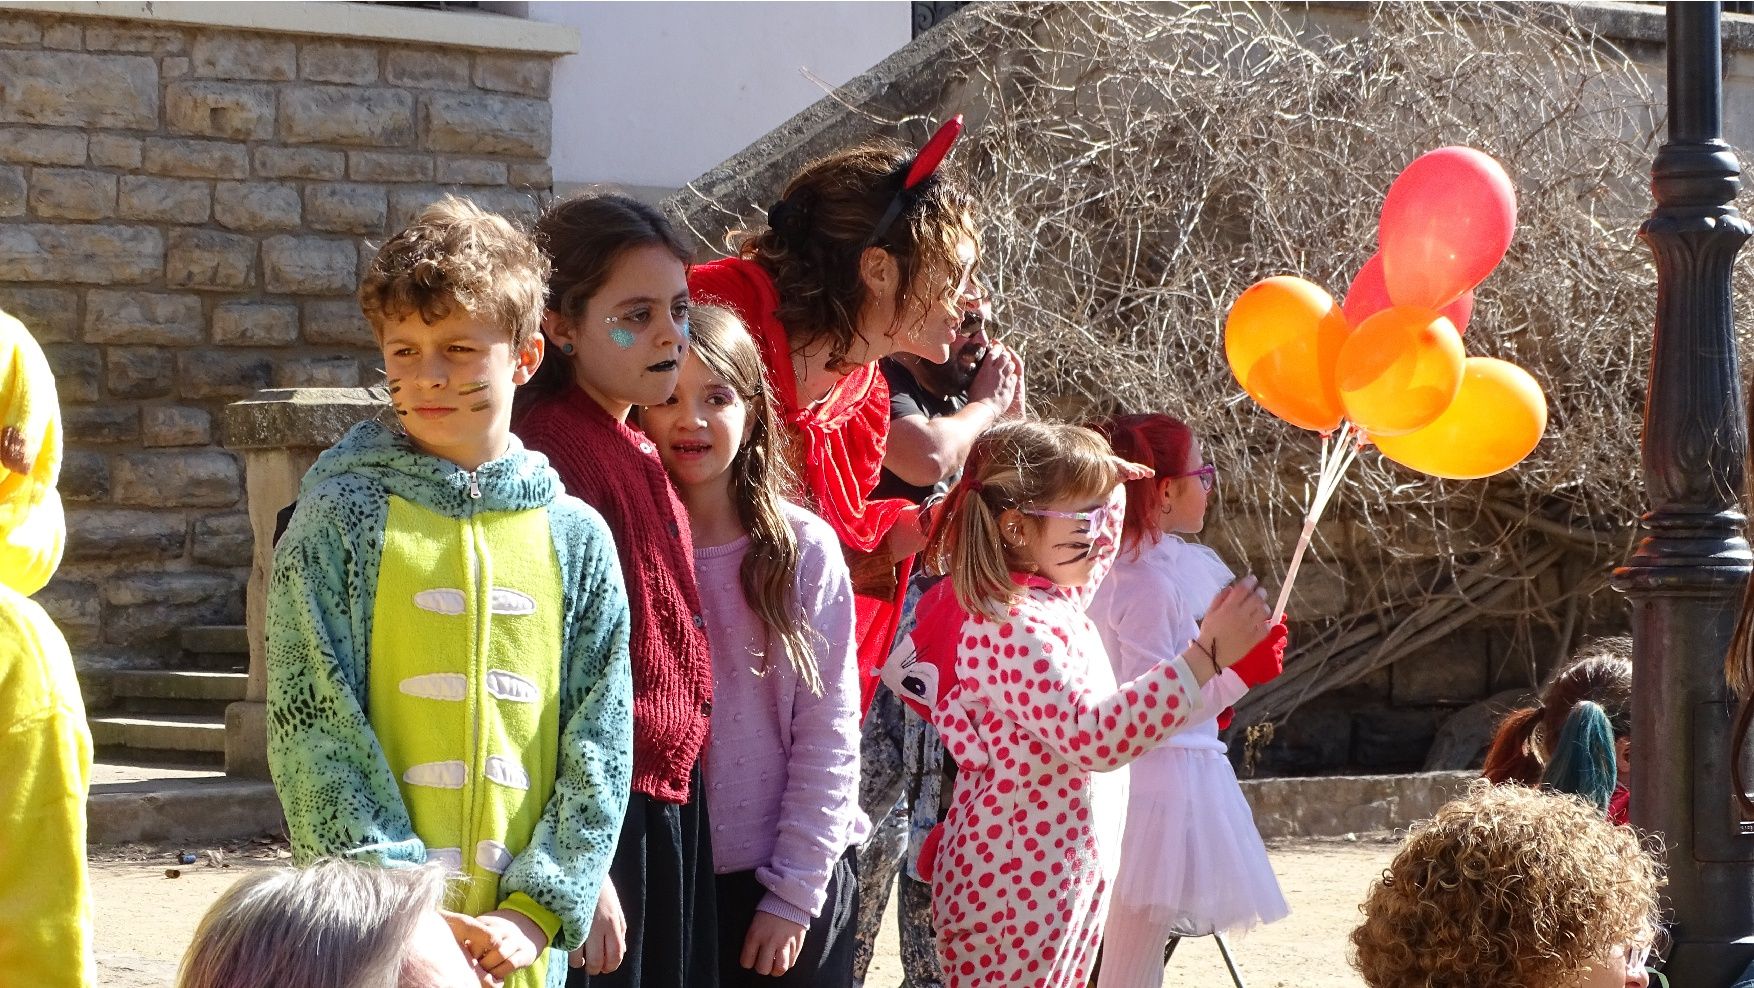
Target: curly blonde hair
[(455, 254), (1510, 887)]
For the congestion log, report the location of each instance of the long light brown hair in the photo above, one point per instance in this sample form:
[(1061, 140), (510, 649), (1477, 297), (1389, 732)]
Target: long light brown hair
[(1013, 465), (761, 482)]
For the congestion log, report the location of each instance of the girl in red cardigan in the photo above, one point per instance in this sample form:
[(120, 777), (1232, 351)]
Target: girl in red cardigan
[(617, 328), (850, 268)]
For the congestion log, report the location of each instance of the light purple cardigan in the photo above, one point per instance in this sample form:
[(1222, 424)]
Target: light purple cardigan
[(782, 765)]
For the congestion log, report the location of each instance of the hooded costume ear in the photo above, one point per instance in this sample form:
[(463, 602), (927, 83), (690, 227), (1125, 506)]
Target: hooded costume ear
[(32, 530)]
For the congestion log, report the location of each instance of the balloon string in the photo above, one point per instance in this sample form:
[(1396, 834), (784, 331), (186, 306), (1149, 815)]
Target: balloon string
[(1336, 458)]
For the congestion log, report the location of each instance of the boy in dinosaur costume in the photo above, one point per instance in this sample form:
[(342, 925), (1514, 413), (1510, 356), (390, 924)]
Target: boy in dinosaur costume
[(45, 903), (448, 673)]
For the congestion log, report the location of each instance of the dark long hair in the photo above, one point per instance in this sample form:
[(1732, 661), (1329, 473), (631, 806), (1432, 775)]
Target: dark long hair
[(819, 231), (583, 237)]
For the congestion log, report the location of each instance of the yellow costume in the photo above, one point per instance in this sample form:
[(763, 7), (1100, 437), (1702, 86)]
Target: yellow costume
[(45, 748)]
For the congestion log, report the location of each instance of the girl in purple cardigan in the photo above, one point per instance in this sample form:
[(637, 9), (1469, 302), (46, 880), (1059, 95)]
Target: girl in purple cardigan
[(782, 762)]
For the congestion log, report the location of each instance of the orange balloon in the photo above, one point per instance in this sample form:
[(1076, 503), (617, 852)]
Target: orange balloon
[(1282, 338), (1399, 370), (1496, 420)]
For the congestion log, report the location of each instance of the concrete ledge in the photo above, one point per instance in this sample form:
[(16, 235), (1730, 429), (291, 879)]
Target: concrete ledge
[(184, 810), (370, 22), (1335, 805), (299, 418)]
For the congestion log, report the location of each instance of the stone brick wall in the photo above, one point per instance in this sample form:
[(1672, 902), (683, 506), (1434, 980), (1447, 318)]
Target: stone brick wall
[(184, 216)]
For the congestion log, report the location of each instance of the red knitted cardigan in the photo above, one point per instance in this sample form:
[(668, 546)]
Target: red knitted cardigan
[(614, 468), (840, 442)]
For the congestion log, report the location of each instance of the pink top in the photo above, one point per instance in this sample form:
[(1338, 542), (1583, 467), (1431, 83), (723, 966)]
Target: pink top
[(782, 765)]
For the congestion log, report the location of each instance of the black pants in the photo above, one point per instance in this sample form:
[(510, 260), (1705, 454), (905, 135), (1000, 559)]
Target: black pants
[(827, 958), (663, 874)]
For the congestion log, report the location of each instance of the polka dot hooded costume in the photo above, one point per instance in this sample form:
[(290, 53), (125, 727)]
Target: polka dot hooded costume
[(1042, 734)]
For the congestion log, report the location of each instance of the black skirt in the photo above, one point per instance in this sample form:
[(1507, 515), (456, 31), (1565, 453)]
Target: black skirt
[(663, 874), (827, 958)]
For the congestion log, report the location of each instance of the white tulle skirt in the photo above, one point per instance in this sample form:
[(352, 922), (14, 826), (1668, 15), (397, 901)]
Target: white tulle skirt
[(1192, 859)]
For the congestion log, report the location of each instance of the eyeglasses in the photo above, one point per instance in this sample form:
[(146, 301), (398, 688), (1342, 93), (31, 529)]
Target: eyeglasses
[(1207, 473), (1095, 516)]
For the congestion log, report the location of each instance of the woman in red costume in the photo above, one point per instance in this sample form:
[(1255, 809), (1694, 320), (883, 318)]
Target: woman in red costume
[(870, 251)]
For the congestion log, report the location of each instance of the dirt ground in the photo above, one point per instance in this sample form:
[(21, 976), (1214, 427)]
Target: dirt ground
[(145, 917)]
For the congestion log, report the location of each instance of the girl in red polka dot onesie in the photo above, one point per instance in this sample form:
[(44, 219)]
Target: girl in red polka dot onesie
[(1015, 678)]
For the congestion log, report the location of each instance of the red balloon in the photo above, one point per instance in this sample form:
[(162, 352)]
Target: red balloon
[(1446, 223), (1368, 295)]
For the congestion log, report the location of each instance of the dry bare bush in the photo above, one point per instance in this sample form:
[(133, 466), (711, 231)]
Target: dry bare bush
[(1142, 164)]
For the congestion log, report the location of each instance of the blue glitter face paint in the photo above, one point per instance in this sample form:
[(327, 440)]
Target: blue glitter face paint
[(683, 328), (623, 338)]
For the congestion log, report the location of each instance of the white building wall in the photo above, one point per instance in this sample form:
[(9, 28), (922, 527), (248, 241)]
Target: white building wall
[(661, 92)]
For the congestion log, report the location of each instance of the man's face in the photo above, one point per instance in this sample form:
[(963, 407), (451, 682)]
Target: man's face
[(968, 351)]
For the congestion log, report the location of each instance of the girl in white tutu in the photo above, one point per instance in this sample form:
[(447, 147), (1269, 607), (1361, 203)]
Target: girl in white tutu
[(1192, 862)]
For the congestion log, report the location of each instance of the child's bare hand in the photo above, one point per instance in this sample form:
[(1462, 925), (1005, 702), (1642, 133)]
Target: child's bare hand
[(772, 945), (606, 944), (470, 935), (504, 941), (1236, 620)]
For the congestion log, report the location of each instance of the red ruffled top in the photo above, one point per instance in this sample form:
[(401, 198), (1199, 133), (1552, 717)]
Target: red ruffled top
[(840, 441)]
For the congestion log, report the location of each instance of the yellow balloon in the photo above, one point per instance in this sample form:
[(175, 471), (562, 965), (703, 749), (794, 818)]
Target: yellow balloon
[(1496, 420), (1282, 338), (1399, 370)]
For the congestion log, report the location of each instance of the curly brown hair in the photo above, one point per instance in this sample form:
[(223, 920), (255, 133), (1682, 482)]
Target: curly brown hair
[(826, 214), (455, 254), (1510, 887)]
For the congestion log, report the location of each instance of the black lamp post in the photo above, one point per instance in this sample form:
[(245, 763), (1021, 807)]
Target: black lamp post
[(1685, 579)]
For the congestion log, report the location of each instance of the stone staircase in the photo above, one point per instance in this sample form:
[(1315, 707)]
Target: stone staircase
[(160, 740), (171, 715)]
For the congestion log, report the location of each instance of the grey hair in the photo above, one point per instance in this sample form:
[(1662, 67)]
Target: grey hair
[(334, 924)]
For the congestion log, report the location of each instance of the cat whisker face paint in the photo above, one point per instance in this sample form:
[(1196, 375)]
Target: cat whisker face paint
[(476, 387), (395, 386)]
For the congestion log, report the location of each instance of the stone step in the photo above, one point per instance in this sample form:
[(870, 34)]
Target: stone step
[(195, 733), (132, 801), (178, 684), (215, 639), (162, 691)]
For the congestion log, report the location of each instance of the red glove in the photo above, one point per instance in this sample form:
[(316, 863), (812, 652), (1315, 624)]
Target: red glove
[(1266, 660), (928, 861), (1225, 716)]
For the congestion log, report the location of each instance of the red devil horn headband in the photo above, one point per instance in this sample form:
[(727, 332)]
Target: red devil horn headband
[(924, 166)]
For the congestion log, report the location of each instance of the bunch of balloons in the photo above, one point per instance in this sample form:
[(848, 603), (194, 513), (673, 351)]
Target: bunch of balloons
[(1391, 361)]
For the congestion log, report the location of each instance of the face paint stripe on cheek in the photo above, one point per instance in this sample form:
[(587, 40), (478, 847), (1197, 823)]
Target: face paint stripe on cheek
[(471, 388)]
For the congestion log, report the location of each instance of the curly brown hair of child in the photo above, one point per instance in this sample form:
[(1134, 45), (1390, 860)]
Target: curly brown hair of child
[(1508, 886)]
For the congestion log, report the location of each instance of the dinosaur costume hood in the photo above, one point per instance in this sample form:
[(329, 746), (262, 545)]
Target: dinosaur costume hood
[(517, 480)]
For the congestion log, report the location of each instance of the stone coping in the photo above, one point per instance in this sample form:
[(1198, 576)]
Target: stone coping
[(370, 22), (299, 418)]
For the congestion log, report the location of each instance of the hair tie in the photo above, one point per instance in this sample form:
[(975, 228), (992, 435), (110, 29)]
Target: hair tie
[(789, 221), (975, 487)]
